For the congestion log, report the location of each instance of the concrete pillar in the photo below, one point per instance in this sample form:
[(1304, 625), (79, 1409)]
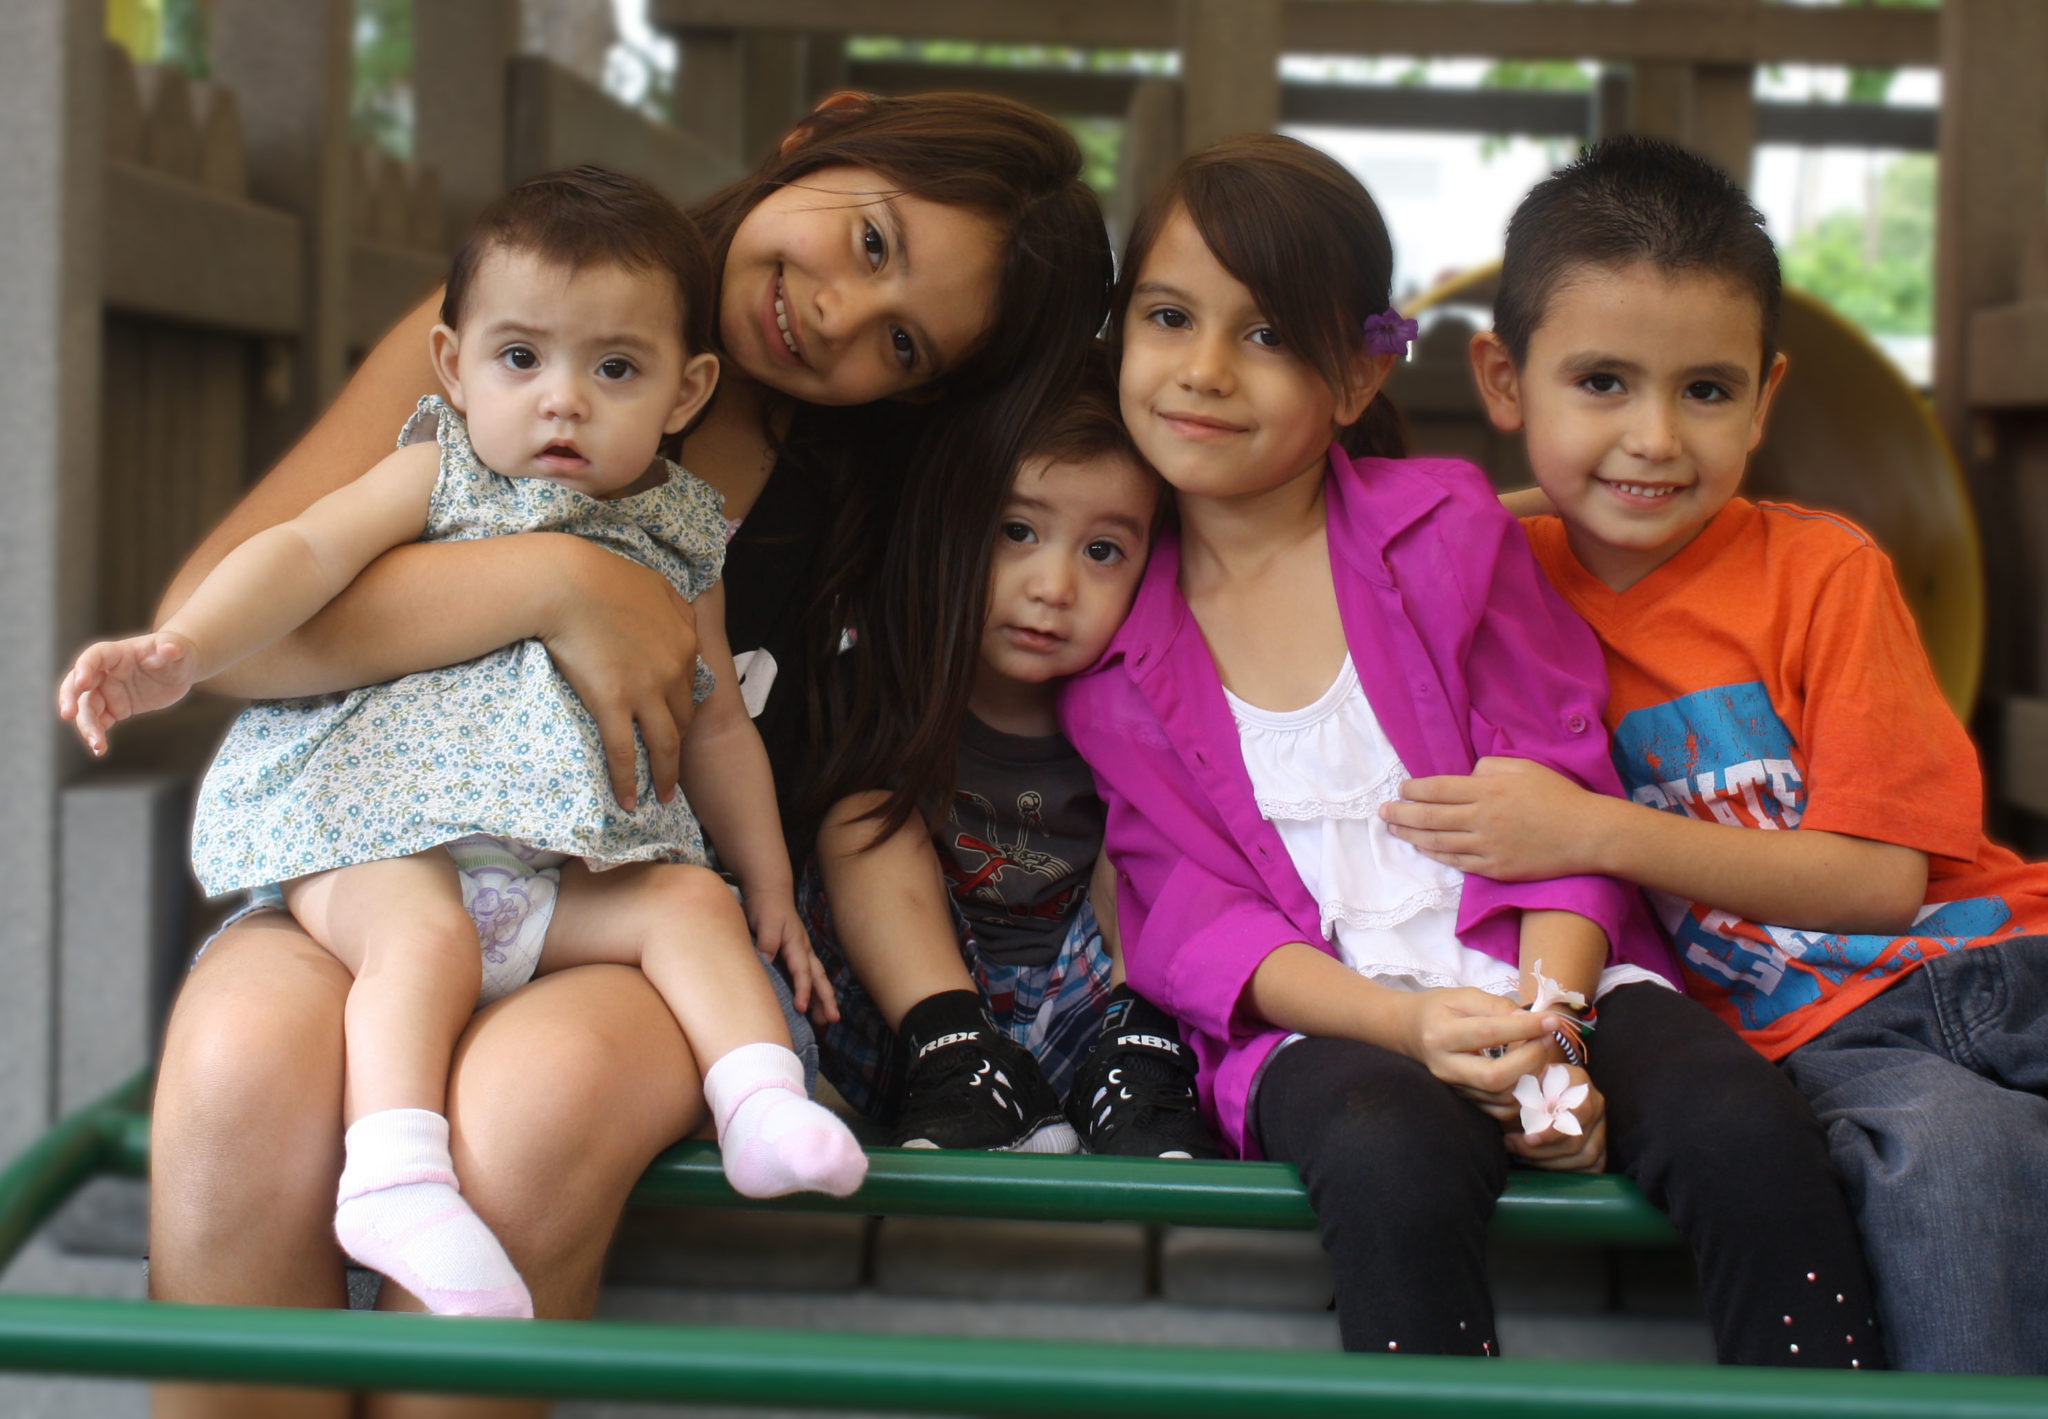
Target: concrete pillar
[(125, 903), (289, 66), (52, 172), (1229, 69), (459, 118)]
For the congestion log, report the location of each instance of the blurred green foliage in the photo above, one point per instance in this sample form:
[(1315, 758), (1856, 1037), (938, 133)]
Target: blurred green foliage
[(380, 96), (1876, 268)]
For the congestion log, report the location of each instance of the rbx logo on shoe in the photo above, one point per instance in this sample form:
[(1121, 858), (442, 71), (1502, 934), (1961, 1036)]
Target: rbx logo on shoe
[(956, 1038), (1151, 1041), (980, 1089)]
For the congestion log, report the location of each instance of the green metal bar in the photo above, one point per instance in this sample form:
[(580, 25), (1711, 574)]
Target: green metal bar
[(35, 1184), (1550, 1207), (1564, 1208), (716, 1365)]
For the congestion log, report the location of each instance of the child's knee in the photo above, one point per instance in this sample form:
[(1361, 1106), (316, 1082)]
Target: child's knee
[(692, 902), (441, 942)]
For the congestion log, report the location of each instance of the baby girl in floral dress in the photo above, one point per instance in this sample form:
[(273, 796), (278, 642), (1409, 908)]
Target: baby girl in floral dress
[(449, 835)]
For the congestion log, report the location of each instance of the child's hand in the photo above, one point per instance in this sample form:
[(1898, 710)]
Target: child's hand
[(1450, 1031), (116, 680), (779, 935), (1510, 819), (1561, 1152)]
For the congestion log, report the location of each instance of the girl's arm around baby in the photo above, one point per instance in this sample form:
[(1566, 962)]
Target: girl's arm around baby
[(263, 589), (731, 788)]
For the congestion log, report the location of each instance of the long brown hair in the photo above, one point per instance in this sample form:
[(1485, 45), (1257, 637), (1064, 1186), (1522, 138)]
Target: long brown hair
[(917, 484), (899, 696), (1305, 238)]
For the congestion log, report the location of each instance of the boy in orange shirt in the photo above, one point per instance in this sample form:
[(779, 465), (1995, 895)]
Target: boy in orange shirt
[(1766, 676)]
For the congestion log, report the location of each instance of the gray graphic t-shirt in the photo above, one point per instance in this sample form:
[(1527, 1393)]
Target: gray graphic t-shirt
[(1019, 841)]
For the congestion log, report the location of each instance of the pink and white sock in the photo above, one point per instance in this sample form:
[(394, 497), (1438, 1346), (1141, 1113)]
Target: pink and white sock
[(771, 1138), (401, 1212)]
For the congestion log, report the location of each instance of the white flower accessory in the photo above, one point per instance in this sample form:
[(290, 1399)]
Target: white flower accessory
[(1549, 993), (1549, 1104)]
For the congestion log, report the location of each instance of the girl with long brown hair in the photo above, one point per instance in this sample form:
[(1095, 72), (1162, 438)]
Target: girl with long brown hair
[(890, 283)]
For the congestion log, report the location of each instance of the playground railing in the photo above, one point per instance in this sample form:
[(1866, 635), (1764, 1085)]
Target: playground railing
[(920, 1374)]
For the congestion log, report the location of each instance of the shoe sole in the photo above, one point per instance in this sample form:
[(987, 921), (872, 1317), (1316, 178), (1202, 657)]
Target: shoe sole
[(1046, 1138)]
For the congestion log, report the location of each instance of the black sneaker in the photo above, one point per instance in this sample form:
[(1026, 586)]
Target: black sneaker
[(1134, 1093), (978, 1088)]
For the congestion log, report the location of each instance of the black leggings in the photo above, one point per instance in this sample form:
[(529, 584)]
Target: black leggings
[(1404, 1175)]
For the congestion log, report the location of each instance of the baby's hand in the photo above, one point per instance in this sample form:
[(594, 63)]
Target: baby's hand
[(779, 935), (1510, 819), (117, 680), (1558, 1151)]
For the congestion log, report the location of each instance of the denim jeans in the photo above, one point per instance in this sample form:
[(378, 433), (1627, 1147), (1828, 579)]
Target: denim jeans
[(1935, 1099)]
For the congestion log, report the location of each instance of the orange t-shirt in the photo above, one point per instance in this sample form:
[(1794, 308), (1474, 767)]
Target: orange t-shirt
[(1769, 676)]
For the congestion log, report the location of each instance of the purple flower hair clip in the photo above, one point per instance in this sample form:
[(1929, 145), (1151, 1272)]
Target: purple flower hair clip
[(1388, 334)]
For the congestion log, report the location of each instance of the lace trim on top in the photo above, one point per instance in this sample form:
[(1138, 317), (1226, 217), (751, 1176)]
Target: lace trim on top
[(1413, 905), (1365, 803), (1417, 978)]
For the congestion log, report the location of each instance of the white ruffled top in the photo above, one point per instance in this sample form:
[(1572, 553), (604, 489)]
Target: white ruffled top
[(1319, 775)]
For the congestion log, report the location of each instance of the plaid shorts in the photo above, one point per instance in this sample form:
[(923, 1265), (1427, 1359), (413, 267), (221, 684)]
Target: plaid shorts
[(1054, 1010)]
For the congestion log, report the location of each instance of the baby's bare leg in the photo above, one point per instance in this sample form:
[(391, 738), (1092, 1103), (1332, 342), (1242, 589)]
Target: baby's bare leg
[(400, 927), (685, 930)]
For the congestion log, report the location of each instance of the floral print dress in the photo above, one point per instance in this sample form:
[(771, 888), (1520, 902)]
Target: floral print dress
[(499, 745)]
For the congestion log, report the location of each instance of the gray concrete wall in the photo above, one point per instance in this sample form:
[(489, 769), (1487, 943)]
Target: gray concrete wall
[(51, 173)]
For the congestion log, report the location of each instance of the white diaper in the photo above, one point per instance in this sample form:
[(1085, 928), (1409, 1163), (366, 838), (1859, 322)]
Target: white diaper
[(509, 891)]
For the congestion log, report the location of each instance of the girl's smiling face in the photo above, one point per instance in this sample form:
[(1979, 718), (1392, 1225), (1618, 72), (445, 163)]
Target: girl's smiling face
[(840, 289), (1211, 393)]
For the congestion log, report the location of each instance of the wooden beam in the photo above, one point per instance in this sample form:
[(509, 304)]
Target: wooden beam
[(1688, 31), (2007, 357), (1685, 31), (554, 119), (178, 252), (1074, 93)]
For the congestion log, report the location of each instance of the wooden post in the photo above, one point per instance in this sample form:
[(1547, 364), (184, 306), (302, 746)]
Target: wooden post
[(1151, 147), (824, 65), (1229, 69), (1994, 179), (1993, 194), (459, 118), (711, 88), (53, 172), (772, 94), (289, 66), (1709, 108)]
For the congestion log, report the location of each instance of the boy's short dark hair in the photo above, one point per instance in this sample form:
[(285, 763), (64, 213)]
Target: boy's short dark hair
[(1629, 200), (587, 216), (1085, 421)]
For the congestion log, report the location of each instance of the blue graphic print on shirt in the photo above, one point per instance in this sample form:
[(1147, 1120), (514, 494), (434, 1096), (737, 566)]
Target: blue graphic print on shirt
[(1724, 755)]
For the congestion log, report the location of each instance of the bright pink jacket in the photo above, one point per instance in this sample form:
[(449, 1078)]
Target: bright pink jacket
[(1463, 649)]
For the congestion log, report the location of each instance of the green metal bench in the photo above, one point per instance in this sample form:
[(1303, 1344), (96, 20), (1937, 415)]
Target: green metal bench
[(728, 1365)]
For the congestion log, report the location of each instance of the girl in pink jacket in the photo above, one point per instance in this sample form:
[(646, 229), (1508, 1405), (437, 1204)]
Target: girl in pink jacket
[(1331, 620)]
